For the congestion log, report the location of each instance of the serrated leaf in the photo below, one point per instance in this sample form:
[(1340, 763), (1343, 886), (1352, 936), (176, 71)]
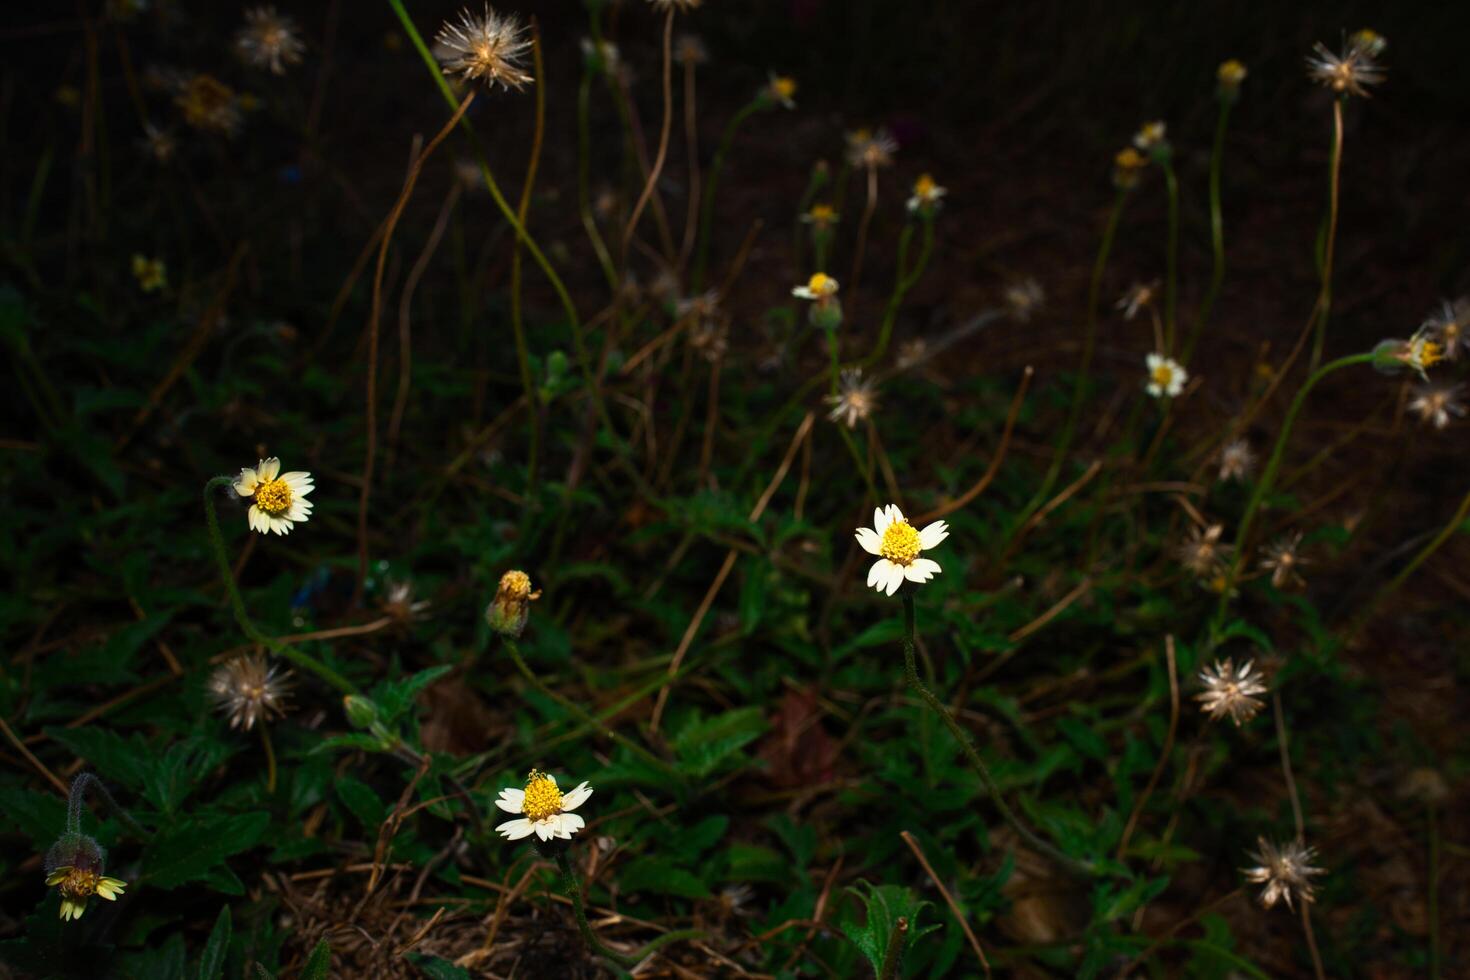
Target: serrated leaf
[(366, 805), (191, 853), (212, 960), (39, 816), (702, 745), (395, 698), (884, 905), (319, 963)]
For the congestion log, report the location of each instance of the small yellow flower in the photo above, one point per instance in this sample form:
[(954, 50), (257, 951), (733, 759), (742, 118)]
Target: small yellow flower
[(209, 104), (1166, 376), (819, 287), (926, 194), (152, 274), (780, 89), (820, 216), (1150, 135), (509, 610), (542, 809), (1127, 165), (77, 885), (280, 498), (1230, 74)]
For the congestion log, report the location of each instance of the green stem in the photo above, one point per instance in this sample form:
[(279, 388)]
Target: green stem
[(1398, 580), (1268, 475), (1082, 868), (1171, 259), (582, 715), (303, 660), (1217, 234), (584, 193), (897, 938), (1089, 342), (1334, 183), (573, 889), (902, 283), (707, 210)]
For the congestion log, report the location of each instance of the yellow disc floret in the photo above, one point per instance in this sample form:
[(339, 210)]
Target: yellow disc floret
[(542, 799), (273, 497), (900, 543), (821, 284), (1162, 375), (783, 86)]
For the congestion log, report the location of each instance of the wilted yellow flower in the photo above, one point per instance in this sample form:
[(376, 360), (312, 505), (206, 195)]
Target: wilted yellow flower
[(152, 274), (820, 216), (209, 104), (509, 610), (79, 884)]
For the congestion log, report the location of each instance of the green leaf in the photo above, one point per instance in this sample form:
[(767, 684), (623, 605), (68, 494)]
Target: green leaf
[(319, 963), (191, 853), (661, 877), (39, 816), (703, 745), (436, 969), (212, 961), (884, 906), (395, 698), (366, 805)]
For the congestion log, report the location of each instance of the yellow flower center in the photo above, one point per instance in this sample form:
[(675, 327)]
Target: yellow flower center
[(1162, 375), (1232, 72), (900, 543), (76, 883), (783, 86), (543, 799), (924, 186), (821, 284), (1426, 353), (822, 213), (273, 497)]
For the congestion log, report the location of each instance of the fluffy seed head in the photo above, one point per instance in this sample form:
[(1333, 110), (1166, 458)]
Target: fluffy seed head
[(1285, 870), (269, 40), (856, 398), (1348, 73), (1231, 693), (247, 690), (486, 46)]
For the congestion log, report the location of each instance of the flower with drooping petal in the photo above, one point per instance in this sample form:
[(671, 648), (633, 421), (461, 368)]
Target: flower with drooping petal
[(280, 498), (899, 547), (489, 46), (1450, 325), (1285, 870), (542, 809), (780, 90), (79, 884), (1166, 376), (1231, 693), (1140, 296)]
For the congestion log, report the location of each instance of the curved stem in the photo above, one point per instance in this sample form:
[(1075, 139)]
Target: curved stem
[(1393, 584), (1071, 864), (297, 657), (663, 136), (584, 195), (903, 282), (573, 889), (1269, 474), (518, 327), (707, 208), (1217, 235)]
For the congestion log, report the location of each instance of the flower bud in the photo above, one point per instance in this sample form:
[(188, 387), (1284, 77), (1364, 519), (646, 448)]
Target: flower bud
[(361, 712), (511, 607)]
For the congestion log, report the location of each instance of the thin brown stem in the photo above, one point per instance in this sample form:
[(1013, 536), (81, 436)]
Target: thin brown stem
[(954, 909), (665, 129)]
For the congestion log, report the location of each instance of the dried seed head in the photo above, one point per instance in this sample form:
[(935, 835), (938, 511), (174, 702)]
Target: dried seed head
[(1286, 871), (856, 398), (1231, 693), (1283, 560), (1348, 73), (269, 40), (1237, 460), (487, 46), (247, 690)]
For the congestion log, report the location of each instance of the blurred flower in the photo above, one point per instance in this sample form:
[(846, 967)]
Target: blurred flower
[(779, 89), (544, 810), (1229, 76), (703, 306), (280, 498), (866, 148), (209, 104), (152, 274), (1368, 41), (912, 353), (898, 547), (818, 288), (690, 50), (469, 175), (1166, 376), (1151, 136), (735, 900), (1282, 560), (1140, 296), (1024, 298), (926, 195), (1450, 324), (159, 144), (400, 605), (1231, 693), (1237, 460), (1436, 404), (1128, 163), (511, 607), (856, 398), (1345, 74), (1425, 785), (710, 338), (1419, 353), (68, 95), (601, 55), (1285, 870), (820, 216), (1203, 553), (488, 47), (269, 40), (247, 690)]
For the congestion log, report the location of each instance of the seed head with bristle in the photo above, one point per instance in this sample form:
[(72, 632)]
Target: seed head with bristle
[(1283, 559), (1237, 459), (486, 46), (1231, 693), (247, 690), (269, 40), (1286, 870), (1346, 74), (1450, 325), (855, 400), (1437, 404), (1203, 553)]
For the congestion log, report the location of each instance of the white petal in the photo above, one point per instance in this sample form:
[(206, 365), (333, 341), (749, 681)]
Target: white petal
[(268, 468), (512, 800), (928, 566), (894, 514), (1154, 389), (881, 520), (515, 829), (570, 823), (895, 578), (245, 482), (1153, 361), (869, 540), (545, 829), (801, 292), (278, 524), (258, 520), (576, 797), (933, 534), (299, 482), (879, 573)]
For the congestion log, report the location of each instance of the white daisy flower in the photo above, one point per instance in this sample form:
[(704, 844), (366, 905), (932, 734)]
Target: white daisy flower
[(1166, 376), (926, 194), (280, 498), (545, 810), (898, 546), (819, 288)]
